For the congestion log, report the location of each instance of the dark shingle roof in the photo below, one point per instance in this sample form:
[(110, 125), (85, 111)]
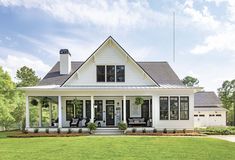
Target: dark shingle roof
[(53, 77), (161, 72), (206, 99)]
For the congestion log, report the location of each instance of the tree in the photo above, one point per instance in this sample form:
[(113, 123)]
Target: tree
[(7, 99), (26, 77), (227, 97), (190, 81)]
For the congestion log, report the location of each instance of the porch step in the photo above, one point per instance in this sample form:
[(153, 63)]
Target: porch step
[(107, 131)]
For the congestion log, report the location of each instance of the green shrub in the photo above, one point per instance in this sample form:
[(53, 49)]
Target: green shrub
[(91, 126), (47, 130), (35, 130), (122, 126), (133, 130), (174, 131), (218, 130), (144, 130), (154, 130), (69, 131), (80, 130), (58, 130), (184, 130), (164, 130)]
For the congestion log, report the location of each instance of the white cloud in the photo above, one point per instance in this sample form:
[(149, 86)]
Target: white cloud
[(221, 35), (108, 14), (223, 41), (16, 59), (202, 18)]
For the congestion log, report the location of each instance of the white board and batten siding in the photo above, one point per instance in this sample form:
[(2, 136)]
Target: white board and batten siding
[(109, 54)]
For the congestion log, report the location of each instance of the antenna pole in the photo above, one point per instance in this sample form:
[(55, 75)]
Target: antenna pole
[(173, 36)]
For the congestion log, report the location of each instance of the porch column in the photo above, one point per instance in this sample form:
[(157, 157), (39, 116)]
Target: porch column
[(27, 125), (124, 109), (84, 109), (40, 116), (59, 112), (155, 110), (92, 109)]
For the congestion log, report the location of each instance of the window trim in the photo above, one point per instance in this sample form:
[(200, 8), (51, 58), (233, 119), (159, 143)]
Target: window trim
[(106, 71), (164, 110), (178, 117), (183, 110), (123, 73), (97, 73)]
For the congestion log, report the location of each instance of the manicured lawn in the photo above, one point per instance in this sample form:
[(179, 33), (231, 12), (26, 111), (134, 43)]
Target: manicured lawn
[(126, 147)]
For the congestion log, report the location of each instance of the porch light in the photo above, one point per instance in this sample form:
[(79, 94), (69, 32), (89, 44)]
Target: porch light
[(95, 106)]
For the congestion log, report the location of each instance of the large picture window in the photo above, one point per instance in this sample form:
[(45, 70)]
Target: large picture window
[(174, 108), (100, 73), (163, 108), (120, 73), (110, 73), (184, 108)]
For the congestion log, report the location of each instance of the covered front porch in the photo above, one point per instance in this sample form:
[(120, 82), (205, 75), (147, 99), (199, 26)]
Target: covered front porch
[(77, 111)]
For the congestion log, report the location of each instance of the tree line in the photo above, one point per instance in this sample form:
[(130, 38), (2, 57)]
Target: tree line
[(12, 100)]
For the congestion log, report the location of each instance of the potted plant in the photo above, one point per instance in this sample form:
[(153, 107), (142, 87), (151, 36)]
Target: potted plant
[(92, 127), (139, 101), (34, 102), (122, 126)]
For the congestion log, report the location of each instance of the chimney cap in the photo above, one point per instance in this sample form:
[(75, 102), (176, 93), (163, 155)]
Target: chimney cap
[(64, 51)]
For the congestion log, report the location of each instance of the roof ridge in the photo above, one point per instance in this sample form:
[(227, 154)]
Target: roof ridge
[(151, 61)]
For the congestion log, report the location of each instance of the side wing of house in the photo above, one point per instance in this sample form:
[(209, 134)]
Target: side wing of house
[(208, 110)]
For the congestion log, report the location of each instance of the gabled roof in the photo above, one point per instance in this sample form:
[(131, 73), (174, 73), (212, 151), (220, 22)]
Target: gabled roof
[(205, 99), (161, 72), (111, 39)]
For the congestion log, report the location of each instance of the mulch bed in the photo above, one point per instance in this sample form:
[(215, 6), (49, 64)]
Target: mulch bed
[(30, 135)]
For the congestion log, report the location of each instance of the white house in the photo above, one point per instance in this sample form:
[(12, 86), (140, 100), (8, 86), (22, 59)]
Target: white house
[(208, 110), (104, 88)]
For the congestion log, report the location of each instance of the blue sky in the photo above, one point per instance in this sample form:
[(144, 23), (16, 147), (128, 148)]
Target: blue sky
[(32, 32)]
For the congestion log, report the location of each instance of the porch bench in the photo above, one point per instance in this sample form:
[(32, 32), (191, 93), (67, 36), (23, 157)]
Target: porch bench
[(136, 121)]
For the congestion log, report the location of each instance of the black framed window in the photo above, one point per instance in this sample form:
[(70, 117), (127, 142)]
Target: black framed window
[(100, 73), (120, 73), (174, 108), (88, 109), (184, 108), (74, 111), (99, 110), (79, 109), (110, 70), (163, 108), (69, 110)]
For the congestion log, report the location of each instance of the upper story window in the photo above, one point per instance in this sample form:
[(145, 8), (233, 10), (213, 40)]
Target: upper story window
[(110, 73), (120, 73), (100, 73), (110, 70)]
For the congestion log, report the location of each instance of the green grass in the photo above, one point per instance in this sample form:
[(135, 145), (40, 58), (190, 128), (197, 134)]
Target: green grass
[(126, 147)]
